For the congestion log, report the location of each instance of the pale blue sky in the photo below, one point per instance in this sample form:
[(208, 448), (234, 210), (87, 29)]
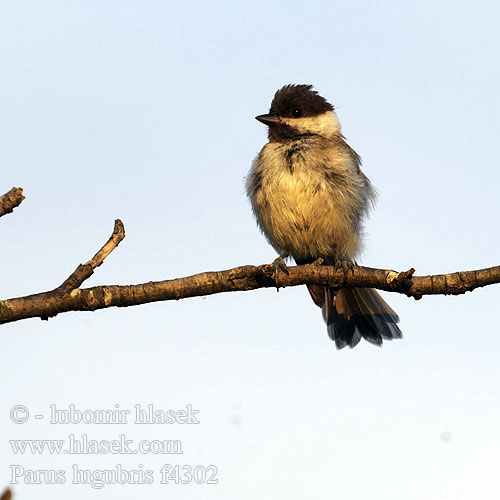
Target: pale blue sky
[(144, 110)]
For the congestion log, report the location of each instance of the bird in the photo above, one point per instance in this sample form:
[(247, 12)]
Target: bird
[(310, 198)]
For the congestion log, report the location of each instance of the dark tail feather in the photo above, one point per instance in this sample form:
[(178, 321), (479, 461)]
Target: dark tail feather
[(353, 313)]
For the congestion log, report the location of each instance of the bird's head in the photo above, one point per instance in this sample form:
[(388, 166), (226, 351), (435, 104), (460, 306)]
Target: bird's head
[(297, 110)]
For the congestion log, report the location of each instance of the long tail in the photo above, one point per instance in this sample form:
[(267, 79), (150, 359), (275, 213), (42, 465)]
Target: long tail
[(355, 313)]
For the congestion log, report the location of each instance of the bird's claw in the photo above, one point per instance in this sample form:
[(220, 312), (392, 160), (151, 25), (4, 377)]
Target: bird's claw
[(279, 263), (345, 265)]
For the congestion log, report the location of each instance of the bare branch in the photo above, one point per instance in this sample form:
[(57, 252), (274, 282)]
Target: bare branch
[(242, 278), (85, 271), (11, 200), (69, 297)]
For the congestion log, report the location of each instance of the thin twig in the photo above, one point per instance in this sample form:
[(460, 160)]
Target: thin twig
[(11, 200), (85, 271), (6, 495)]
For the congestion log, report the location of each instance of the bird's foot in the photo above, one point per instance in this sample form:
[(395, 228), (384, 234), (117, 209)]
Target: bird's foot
[(279, 263), (345, 265)]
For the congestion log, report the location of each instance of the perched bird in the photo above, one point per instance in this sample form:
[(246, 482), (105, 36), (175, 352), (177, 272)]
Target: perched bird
[(310, 197)]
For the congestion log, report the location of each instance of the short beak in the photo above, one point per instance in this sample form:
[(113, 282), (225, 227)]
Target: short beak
[(268, 119)]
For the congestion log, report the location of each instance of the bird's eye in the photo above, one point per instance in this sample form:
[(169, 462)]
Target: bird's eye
[(296, 112)]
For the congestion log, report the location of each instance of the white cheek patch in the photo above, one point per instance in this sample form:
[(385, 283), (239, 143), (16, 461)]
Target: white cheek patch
[(326, 124)]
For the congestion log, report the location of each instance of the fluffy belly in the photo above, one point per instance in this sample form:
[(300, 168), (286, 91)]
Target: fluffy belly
[(303, 217)]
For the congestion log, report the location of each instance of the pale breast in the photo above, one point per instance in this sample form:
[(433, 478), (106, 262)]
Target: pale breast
[(304, 209)]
